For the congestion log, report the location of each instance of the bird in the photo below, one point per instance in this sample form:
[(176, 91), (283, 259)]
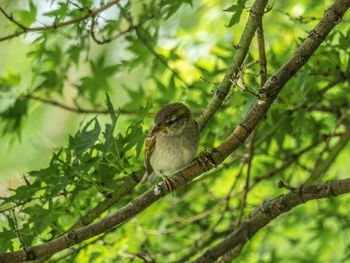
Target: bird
[(171, 144)]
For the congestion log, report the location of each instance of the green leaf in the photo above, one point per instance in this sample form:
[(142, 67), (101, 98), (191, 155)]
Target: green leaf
[(299, 124), (166, 90), (344, 40), (48, 175), (12, 118), (86, 3), (52, 81), (143, 111), (11, 222), (99, 79), (170, 7), (74, 53), (237, 10), (85, 139), (100, 70), (59, 13), (135, 137), (94, 256), (137, 97), (108, 134), (27, 17), (6, 237), (112, 26), (111, 111), (7, 97), (89, 85), (24, 192)]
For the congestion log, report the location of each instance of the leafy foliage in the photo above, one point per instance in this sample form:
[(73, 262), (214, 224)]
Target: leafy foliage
[(237, 10)]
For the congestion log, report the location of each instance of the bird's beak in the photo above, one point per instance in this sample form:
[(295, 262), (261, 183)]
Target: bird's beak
[(157, 128)]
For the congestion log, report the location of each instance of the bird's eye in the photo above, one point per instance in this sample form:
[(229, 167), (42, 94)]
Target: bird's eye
[(168, 123)]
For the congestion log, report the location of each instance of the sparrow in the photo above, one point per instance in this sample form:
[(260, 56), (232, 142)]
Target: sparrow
[(171, 145)]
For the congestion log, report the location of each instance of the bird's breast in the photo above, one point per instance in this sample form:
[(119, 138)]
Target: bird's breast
[(172, 154)]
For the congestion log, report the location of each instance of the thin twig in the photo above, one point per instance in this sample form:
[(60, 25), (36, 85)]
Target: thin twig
[(268, 211), (123, 32), (165, 63), (9, 17), (16, 230), (251, 140), (90, 13), (262, 54), (256, 12), (138, 30), (75, 109), (199, 243), (321, 164), (288, 162), (250, 146)]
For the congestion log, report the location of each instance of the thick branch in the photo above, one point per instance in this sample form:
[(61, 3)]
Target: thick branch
[(221, 92), (335, 151), (269, 210)]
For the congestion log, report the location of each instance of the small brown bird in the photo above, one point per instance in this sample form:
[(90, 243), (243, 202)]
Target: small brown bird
[(171, 144)]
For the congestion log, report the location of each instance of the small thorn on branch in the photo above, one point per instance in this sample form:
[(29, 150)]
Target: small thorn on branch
[(283, 185)]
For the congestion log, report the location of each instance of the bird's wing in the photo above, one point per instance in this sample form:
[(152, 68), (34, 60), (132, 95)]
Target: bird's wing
[(149, 147)]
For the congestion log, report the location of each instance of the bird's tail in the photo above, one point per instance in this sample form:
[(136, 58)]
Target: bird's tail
[(149, 178)]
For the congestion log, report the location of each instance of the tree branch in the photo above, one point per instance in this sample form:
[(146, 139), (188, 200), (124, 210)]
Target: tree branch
[(262, 54), (228, 257), (74, 109), (25, 30), (322, 165), (250, 146), (251, 140), (269, 210), (130, 28), (9, 17), (221, 92), (16, 230)]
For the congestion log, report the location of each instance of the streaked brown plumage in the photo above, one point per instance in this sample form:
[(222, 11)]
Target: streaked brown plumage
[(171, 144)]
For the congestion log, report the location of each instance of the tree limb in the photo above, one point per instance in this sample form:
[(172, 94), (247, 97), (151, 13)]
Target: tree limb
[(269, 210), (221, 92), (76, 108)]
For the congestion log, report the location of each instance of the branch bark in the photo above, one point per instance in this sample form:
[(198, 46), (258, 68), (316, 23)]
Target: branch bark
[(255, 16), (269, 210), (74, 109)]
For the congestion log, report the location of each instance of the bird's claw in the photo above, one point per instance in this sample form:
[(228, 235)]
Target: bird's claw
[(168, 183)]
